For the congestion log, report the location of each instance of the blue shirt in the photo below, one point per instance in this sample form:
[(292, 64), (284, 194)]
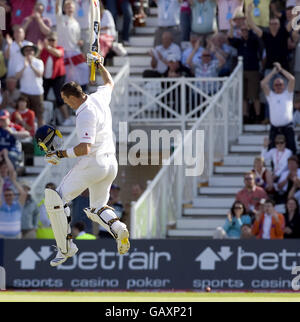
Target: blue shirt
[(233, 228), (10, 219)]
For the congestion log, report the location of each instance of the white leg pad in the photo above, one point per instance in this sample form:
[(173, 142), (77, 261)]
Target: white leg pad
[(106, 218), (59, 222)]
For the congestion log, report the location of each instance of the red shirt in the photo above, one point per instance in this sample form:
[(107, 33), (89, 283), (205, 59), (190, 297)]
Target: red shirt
[(58, 62), (28, 117), (251, 198)]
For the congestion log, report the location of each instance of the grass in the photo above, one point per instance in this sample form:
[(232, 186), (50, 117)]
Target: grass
[(41, 296)]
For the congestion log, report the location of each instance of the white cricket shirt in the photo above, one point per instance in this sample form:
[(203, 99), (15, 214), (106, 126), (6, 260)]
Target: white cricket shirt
[(94, 122), (281, 108)]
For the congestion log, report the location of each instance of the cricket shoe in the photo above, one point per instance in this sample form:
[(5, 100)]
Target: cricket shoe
[(61, 257), (123, 243)]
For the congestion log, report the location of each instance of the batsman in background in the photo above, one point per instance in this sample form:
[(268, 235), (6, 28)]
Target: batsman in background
[(96, 170)]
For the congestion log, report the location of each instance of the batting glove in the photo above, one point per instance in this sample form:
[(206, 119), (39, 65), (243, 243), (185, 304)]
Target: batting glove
[(95, 57), (52, 158)]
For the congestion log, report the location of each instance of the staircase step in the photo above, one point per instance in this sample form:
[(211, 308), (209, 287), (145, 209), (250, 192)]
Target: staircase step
[(145, 30), (213, 202), (141, 41), (138, 50), (246, 148), (199, 223), (223, 181), (204, 211), (256, 128), (134, 61), (39, 161), (251, 139), (234, 169), (204, 233), (240, 160), (219, 190)]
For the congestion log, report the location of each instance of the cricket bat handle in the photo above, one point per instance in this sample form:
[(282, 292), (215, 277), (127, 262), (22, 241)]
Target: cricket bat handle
[(93, 72)]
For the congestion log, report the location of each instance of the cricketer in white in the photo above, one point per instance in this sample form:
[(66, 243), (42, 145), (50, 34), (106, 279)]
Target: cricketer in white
[(96, 170)]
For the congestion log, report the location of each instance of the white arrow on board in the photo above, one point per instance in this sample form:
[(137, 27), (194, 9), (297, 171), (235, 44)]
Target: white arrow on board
[(45, 252), (208, 259), (225, 252), (28, 258)]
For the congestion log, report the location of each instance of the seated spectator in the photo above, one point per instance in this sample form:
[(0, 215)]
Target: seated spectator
[(78, 231), (168, 21), (30, 215), (108, 31), (226, 10), (268, 224), (13, 50), (160, 54), (280, 100), (69, 37), (52, 56), (204, 21), (10, 95), (288, 180), (247, 45), (251, 194), (263, 177), (292, 219), (24, 116), (195, 41), (36, 27), (222, 47), (236, 218), (30, 72), (11, 210), (278, 155), (207, 66)]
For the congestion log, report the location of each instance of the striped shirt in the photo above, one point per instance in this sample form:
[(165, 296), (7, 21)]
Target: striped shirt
[(10, 219)]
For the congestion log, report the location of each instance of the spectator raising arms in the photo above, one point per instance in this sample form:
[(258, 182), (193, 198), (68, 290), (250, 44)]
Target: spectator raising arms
[(280, 99), (36, 27), (11, 210), (226, 10), (69, 37)]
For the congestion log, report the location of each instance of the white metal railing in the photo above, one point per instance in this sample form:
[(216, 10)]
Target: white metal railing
[(55, 174), (161, 203)]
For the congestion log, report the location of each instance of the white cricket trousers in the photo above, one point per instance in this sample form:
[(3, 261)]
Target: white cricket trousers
[(95, 173)]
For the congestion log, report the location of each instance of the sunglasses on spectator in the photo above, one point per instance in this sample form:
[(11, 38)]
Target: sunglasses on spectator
[(279, 142), (278, 84), (206, 56), (51, 39), (249, 178), (238, 207), (8, 195)]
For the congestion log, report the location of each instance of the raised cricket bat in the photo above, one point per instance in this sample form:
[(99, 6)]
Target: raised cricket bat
[(94, 34)]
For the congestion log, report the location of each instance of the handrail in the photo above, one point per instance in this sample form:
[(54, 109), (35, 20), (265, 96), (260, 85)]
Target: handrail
[(165, 168)]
